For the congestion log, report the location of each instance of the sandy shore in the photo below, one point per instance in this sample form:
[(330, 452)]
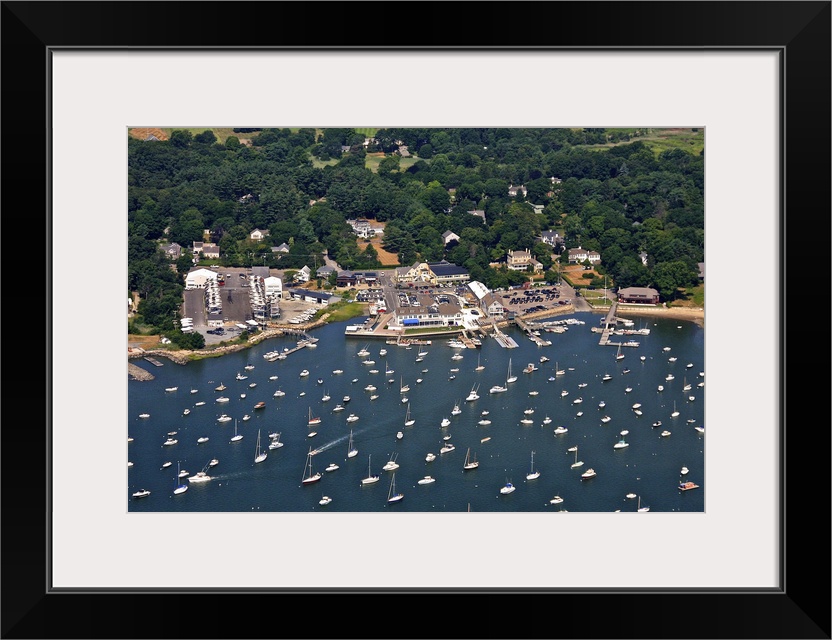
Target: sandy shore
[(691, 314)]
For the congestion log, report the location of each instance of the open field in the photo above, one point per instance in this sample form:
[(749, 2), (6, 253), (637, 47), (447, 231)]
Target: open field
[(659, 140), (574, 273), (385, 257), (373, 159)]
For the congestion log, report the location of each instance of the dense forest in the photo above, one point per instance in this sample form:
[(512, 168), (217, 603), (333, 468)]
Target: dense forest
[(601, 189)]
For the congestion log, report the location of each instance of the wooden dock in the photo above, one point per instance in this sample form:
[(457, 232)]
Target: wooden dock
[(154, 361), (609, 325)]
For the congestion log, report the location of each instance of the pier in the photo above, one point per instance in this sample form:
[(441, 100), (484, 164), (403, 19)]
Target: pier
[(502, 339), (302, 344), (154, 362), (540, 342), (609, 325)]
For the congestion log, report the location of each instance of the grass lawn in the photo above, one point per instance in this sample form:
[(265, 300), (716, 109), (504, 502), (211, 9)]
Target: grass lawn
[(663, 139), (347, 311), (373, 159)]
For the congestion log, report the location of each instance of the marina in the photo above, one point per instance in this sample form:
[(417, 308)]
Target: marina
[(502, 442)]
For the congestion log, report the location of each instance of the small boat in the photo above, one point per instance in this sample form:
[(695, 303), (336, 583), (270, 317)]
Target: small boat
[(304, 373), (470, 463), (687, 486), (222, 387), (311, 420), (564, 393), (370, 479), (579, 414), (543, 359), (689, 365), (275, 441), (427, 480), (391, 464), (589, 473), (582, 385), (628, 390), (445, 422), (660, 387), (510, 378), (224, 418), (665, 348), (165, 465), (606, 377), (169, 389), (345, 399), (399, 435), (447, 448), (408, 420), (527, 421), (222, 399), (497, 389), (577, 463), (621, 444), (577, 401), (507, 488), (351, 450), (641, 509), (665, 433), (624, 432), (325, 500), (484, 412), (672, 359), (201, 476), (700, 429), (352, 418), (533, 393), (484, 422), (141, 493), (684, 471), (430, 457), (669, 377), (214, 462), (392, 494), (456, 410), (528, 411), (311, 434), (144, 415), (186, 412), (279, 393), (251, 385), (201, 403), (260, 405), (637, 405), (332, 467), (246, 418), (486, 439), (556, 500), (248, 367), (194, 390), (642, 358), (240, 376), (202, 440), (559, 430), (532, 474), (242, 395), (675, 412), (374, 396), (337, 371), (320, 380), (602, 404), (338, 407), (272, 377), (547, 420), (657, 423), (638, 412), (170, 441), (619, 355)]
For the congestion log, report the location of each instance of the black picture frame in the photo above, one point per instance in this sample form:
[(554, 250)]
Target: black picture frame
[(800, 31)]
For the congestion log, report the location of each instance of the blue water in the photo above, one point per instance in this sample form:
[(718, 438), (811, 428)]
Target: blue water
[(649, 467)]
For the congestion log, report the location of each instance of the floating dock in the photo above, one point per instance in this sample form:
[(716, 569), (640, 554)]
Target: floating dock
[(154, 361)]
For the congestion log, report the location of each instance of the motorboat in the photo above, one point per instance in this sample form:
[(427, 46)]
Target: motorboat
[(200, 476), (144, 415), (304, 373), (332, 467), (445, 422), (430, 457), (352, 418), (202, 440), (275, 441), (665, 433), (427, 480), (222, 399), (484, 422), (224, 418), (246, 418), (560, 430), (589, 473), (556, 500), (325, 500), (141, 493), (214, 462), (507, 488), (684, 471), (621, 444), (447, 448), (169, 389), (170, 441)]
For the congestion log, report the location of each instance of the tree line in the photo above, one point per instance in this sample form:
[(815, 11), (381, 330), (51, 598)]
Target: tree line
[(302, 185)]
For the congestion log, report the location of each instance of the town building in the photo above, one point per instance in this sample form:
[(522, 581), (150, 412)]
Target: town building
[(642, 295), (523, 261), (579, 254)]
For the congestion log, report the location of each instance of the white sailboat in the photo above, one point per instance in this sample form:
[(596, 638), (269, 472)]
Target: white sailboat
[(392, 494), (237, 436), (403, 388), (641, 509), (351, 450), (577, 463), (479, 366), (509, 377), (532, 474), (619, 355), (181, 488), (675, 412), (308, 476), (259, 455), (370, 479), (559, 372), (408, 421), (470, 464)]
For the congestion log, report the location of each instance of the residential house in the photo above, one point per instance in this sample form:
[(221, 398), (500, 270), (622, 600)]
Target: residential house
[(642, 295), (258, 234), (172, 251), (449, 236), (303, 274), (281, 248), (492, 306), (523, 261), (513, 191), (579, 254), (701, 266), (538, 208), (552, 238), (403, 151), (417, 272), (324, 271), (643, 257), (365, 229), (206, 249), (480, 213)]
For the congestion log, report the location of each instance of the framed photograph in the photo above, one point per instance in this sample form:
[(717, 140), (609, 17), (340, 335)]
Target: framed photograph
[(755, 76)]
